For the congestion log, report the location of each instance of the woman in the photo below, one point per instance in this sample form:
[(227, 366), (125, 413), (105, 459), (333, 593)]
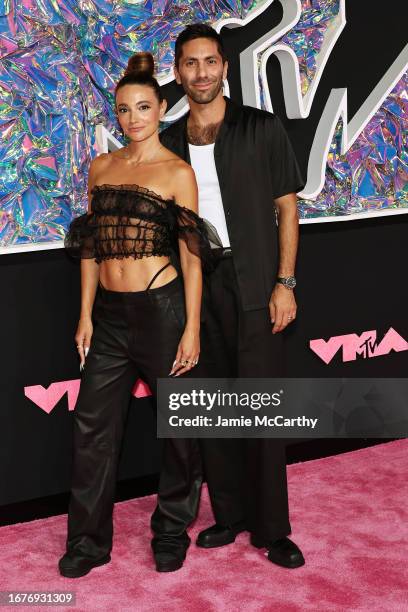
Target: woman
[(142, 202)]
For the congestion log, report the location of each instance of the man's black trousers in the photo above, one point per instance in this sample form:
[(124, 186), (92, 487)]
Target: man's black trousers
[(246, 477)]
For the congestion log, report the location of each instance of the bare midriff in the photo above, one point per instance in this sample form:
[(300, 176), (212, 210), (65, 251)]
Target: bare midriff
[(129, 274)]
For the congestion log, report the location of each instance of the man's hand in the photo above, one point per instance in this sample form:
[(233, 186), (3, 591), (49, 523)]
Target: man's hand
[(282, 307)]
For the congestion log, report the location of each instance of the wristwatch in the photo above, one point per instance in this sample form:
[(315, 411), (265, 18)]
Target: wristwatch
[(289, 281)]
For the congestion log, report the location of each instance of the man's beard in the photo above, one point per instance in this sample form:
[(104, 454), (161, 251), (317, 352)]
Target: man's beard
[(204, 97)]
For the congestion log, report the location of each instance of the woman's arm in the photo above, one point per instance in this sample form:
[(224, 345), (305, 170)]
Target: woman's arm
[(89, 281), (186, 194)]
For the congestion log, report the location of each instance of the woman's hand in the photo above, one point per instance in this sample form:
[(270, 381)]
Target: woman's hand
[(187, 353), (83, 338)]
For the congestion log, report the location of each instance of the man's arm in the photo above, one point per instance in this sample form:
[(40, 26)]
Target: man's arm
[(287, 181), (288, 227), (282, 305)]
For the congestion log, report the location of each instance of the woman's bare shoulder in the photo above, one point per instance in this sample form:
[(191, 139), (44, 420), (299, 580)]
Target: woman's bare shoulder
[(99, 165), (172, 159), (102, 161), (181, 169), (183, 184)]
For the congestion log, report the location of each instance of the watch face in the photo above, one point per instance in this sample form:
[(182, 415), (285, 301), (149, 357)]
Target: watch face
[(291, 282)]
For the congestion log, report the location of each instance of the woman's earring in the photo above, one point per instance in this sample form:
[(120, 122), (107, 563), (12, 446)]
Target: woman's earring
[(121, 134)]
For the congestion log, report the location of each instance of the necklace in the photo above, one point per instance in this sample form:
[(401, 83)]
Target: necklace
[(141, 161)]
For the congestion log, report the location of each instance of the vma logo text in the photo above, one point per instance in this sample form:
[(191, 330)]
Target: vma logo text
[(366, 345), (47, 398)]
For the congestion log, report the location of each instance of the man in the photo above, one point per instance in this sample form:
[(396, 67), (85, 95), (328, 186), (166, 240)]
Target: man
[(244, 164)]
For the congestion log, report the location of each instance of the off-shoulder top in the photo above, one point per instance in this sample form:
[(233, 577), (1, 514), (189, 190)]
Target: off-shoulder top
[(132, 221)]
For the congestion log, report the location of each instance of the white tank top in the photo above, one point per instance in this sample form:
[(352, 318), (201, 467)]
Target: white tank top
[(210, 205)]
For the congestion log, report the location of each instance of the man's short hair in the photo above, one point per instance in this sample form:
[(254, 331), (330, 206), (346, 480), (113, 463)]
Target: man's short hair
[(197, 30)]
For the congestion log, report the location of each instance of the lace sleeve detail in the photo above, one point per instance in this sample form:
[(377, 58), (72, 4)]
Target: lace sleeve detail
[(80, 239), (199, 235)]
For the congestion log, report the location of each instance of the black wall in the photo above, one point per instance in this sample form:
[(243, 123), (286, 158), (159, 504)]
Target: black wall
[(351, 278)]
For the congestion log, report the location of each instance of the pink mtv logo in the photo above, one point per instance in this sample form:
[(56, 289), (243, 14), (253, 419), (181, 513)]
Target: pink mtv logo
[(365, 345), (48, 398)]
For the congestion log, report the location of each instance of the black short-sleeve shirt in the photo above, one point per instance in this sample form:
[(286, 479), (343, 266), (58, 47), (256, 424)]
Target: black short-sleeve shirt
[(255, 163)]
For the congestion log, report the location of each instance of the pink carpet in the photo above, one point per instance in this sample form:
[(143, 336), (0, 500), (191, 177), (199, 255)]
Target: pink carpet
[(348, 515)]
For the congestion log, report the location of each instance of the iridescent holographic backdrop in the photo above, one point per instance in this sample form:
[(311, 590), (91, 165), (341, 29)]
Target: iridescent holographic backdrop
[(373, 174), (60, 60), (306, 38)]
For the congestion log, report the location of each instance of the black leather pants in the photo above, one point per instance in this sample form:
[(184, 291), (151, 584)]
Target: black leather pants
[(136, 335)]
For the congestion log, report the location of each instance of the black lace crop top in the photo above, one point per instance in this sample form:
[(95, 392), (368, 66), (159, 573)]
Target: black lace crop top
[(131, 221)]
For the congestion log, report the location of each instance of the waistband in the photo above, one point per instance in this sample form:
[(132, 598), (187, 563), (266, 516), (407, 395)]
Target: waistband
[(145, 295)]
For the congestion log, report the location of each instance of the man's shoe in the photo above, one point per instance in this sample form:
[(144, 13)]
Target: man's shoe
[(168, 561), (72, 566), (218, 535), (283, 552), (170, 551)]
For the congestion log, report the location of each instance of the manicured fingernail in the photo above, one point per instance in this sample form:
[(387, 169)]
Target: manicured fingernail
[(86, 350), (81, 367)]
